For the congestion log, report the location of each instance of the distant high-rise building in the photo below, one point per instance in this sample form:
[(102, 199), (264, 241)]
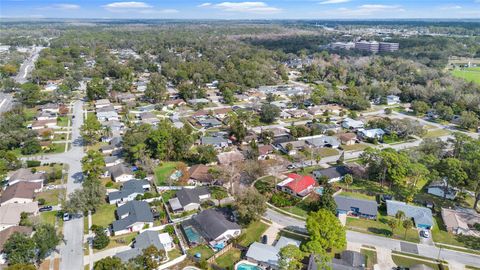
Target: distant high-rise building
[(388, 46), (371, 46)]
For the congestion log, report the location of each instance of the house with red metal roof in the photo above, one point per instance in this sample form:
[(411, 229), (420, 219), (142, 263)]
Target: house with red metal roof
[(297, 185)]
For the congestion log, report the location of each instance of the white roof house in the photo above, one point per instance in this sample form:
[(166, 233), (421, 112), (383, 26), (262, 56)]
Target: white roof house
[(349, 123)]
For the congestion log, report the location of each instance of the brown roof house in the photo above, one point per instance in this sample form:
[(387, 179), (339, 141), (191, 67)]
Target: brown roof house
[(227, 158), (199, 175), (26, 175), (10, 213), (348, 138), (21, 192), (461, 221)]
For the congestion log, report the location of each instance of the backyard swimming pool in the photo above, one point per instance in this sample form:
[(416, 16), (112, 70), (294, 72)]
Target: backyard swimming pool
[(247, 266), (319, 190), (192, 235)]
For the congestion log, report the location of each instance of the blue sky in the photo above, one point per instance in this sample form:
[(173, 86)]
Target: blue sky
[(235, 9)]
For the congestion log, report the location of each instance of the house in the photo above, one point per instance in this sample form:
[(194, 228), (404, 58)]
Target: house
[(10, 213), (45, 133), (5, 235), (102, 103), (349, 260), (129, 191), (265, 151), (299, 113), (149, 118), (348, 138), (323, 127), (188, 199), (108, 149), (111, 161), (352, 124), (320, 141), (115, 126), (175, 102), (132, 217), (209, 122), (461, 221), (125, 97), (226, 158), (107, 113), (438, 188), (292, 147), (332, 174), (217, 142), (297, 185), (356, 207), (26, 175), (145, 240), (42, 116), (198, 101), (422, 216), (120, 173), (50, 108), (21, 192), (393, 99), (41, 124), (199, 175), (267, 256), (211, 225), (375, 133)]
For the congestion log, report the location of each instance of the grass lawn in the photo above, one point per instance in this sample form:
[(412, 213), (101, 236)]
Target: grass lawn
[(440, 202), (163, 172), (327, 152), (440, 235), (252, 233), (62, 121), (48, 217), (104, 215), (357, 195), (59, 136), (168, 194), (229, 258), (470, 74), (204, 250), (370, 188), (296, 210), (355, 147), (117, 241), (174, 253), (51, 197), (407, 262), (436, 133), (370, 257), (380, 227), (56, 148), (218, 193)]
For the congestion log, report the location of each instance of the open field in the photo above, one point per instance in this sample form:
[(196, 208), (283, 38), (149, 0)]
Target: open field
[(471, 74)]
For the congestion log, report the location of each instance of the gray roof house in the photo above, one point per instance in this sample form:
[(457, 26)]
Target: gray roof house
[(266, 255), (218, 142), (375, 133), (112, 161), (349, 123), (132, 217), (357, 207), (26, 175), (210, 122), (324, 141), (333, 174), (142, 241), (129, 191), (120, 173), (188, 199), (422, 216), (349, 260)]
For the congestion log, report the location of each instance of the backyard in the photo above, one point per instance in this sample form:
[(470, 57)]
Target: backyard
[(229, 259), (204, 251), (163, 173)]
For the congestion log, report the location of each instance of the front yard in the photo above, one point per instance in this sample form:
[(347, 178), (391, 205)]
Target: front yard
[(104, 216), (252, 233), (52, 197)]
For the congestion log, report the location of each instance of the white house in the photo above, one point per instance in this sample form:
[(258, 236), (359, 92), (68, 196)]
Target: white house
[(166, 241), (120, 173), (393, 99), (349, 123)]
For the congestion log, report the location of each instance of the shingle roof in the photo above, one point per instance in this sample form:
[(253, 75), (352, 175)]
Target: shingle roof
[(138, 211), (365, 206), (24, 190), (200, 173), (263, 253), (119, 170), (128, 188), (26, 175), (191, 195), (333, 172), (211, 223), (420, 215), (213, 140)]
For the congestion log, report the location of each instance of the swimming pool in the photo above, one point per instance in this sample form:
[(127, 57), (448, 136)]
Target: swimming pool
[(319, 190), (192, 235), (246, 266)]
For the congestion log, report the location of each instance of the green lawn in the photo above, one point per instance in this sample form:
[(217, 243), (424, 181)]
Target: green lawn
[(204, 250), (218, 193), (163, 172), (354, 147), (229, 259), (51, 196), (121, 240), (174, 253), (436, 133), (62, 121), (440, 235), (296, 210), (104, 215), (168, 194), (370, 188), (48, 217), (327, 152), (370, 257), (407, 262), (470, 74), (252, 233), (357, 195)]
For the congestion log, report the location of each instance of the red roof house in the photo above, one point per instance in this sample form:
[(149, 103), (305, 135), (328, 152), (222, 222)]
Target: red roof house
[(298, 185)]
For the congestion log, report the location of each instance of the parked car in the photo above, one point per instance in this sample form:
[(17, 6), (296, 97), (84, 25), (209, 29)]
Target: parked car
[(425, 233), (45, 209), (264, 239), (66, 217)]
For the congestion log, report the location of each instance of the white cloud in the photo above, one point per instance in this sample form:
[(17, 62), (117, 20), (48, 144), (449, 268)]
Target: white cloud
[(246, 7), (205, 5), (370, 10), (333, 2), (450, 7), (127, 5), (61, 7)]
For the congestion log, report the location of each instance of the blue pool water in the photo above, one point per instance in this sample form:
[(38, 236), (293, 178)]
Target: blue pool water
[(192, 235), (319, 190), (245, 266)]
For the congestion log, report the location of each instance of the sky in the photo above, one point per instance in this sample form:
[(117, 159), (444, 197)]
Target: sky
[(238, 9)]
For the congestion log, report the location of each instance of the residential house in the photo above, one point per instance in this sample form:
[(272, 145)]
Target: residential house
[(5, 235), (213, 226), (111, 161), (21, 192), (209, 122), (132, 217), (108, 149), (221, 113), (227, 158), (41, 124), (332, 174), (115, 126), (217, 142), (299, 113), (120, 173), (461, 221), (324, 127), (331, 108), (268, 256), (188, 199), (107, 113), (26, 175), (43, 116), (320, 141), (175, 102), (101, 103), (149, 118), (297, 185), (348, 138), (198, 101), (349, 260), (292, 147), (45, 133), (439, 188), (50, 108), (10, 213), (129, 191), (393, 99), (352, 124), (146, 108), (422, 216), (372, 134), (356, 207), (200, 175), (125, 97), (145, 240), (285, 115), (265, 152)]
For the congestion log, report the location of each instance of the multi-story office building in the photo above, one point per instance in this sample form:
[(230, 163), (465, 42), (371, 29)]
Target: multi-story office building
[(388, 46), (371, 46)]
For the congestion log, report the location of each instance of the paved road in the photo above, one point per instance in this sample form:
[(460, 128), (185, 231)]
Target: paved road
[(6, 102), (383, 242), (72, 252), (28, 65)]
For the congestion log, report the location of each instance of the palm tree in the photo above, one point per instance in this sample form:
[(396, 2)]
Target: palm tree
[(407, 224), (400, 216), (348, 180), (392, 224)]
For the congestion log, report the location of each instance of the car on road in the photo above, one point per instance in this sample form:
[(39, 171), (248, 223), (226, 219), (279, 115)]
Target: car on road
[(45, 209), (66, 217), (291, 167), (425, 233)]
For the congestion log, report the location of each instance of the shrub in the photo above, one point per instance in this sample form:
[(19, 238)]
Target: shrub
[(41, 201), (280, 199), (33, 163)]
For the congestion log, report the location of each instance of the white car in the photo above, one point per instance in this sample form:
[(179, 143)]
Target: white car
[(425, 233)]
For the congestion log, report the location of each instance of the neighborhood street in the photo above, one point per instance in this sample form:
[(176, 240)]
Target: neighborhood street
[(28, 65)]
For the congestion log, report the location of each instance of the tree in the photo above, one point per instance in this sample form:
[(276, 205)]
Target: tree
[(109, 263), (156, 89), (101, 239), (205, 154), (91, 130), (46, 239), (21, 266), (96, 89), (392, 224), (348, 179), (19, 249), (31, 146), (326, 232), (251, 205), (93, 164), (150, 258), (291, 258), (451, 170), (468, 120), (400, 216), (407, 224), (420, 107), (268, 113), (29, 94), (326, 200)]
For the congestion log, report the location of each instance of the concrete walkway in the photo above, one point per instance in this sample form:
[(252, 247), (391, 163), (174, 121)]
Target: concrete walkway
[(103, 254), (272, 233), (384, 259)]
